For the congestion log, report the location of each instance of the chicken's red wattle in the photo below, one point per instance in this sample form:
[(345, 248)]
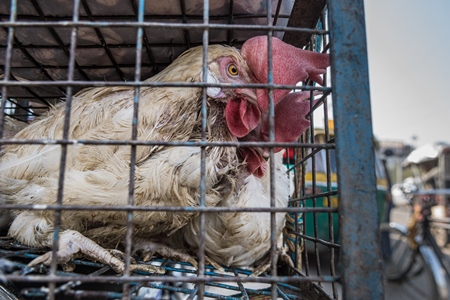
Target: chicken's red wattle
[(241, 116), (256, 164)]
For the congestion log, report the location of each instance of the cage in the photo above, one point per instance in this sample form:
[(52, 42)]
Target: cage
[(52, 50)]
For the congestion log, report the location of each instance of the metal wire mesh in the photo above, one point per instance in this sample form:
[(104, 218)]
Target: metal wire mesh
[(180, 271), (49, 50), (106, 43)]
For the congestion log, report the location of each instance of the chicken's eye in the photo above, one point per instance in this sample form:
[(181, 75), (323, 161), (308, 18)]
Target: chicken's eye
[(233, 70)]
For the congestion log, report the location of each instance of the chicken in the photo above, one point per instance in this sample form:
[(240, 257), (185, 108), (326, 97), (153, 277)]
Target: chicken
[(165, 175)]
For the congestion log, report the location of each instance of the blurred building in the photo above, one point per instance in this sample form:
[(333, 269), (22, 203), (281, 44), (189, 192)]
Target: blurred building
[(394, 153)]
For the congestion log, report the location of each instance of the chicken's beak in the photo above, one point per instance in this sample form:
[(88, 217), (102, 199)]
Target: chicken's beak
[(249, 94)]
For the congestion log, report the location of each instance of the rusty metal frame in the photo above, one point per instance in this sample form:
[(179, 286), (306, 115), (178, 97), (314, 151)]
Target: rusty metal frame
[(360, 254)]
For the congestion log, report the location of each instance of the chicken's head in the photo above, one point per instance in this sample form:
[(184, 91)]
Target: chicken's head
[(225, 65), (241, 112), (247, 108), (290, 65)]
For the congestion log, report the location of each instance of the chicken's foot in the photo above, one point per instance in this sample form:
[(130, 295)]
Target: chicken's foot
[(148, 248), (71, 243)]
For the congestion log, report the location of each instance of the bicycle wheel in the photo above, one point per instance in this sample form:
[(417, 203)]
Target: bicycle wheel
[(398, 257)]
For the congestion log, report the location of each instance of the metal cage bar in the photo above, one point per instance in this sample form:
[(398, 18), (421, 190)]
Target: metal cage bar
[(355, 155)]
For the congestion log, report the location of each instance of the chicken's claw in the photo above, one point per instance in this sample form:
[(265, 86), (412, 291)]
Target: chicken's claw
[(121, 255), (147, 268), (214, 264), (64, 259), (266, 263), (148, 249), (71, 243)]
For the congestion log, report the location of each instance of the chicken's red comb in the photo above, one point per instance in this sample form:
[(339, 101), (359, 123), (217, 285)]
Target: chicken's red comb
[(290, 65)]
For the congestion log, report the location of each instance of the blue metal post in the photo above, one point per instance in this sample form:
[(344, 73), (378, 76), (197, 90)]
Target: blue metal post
[(358, 211)]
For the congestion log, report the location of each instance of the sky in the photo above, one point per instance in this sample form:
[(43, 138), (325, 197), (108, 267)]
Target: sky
[(409, 69)]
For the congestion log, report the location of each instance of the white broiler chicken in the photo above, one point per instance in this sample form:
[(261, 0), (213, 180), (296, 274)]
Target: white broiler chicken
[(165, 175)]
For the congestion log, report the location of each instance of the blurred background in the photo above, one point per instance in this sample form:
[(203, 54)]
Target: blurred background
[(409, 62)]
